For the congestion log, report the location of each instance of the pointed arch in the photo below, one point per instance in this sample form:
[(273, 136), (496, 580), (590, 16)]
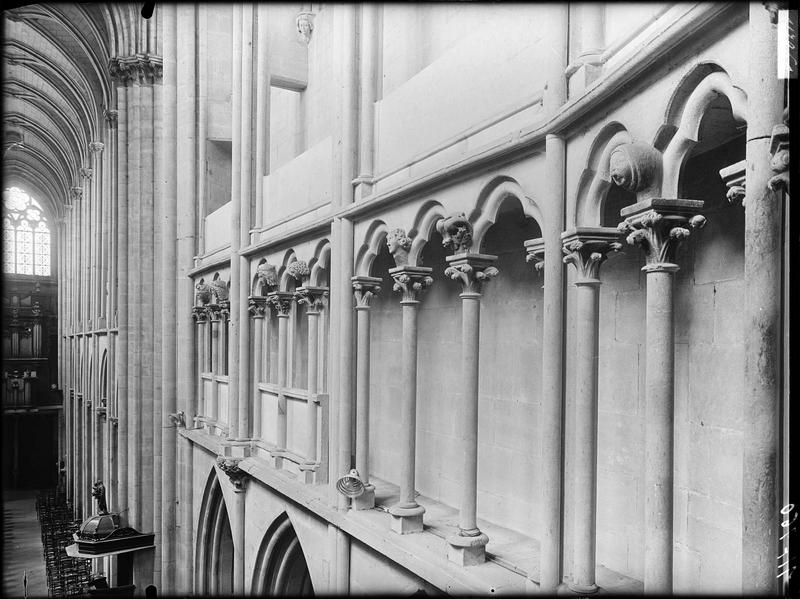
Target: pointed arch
[(371, 247), (596, 180), (320, 262), (281, 568), (214, 545), (692, 98), (424, 225), (492, 197)]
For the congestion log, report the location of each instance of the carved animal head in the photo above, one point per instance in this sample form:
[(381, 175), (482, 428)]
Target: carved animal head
[(456, 232)]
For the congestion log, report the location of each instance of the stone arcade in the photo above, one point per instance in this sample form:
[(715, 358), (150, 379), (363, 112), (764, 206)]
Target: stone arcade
[(524, 268)]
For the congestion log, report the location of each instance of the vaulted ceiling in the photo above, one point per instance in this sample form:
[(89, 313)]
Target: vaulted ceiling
[(56, 88)]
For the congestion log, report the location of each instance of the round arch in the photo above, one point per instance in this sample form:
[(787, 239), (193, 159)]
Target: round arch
[(281, 568)]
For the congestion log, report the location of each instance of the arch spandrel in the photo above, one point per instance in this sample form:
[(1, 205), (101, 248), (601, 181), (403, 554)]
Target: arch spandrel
[(491, 199)]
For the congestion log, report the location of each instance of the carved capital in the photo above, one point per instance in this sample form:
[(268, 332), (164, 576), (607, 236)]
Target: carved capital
[(312, 296), (144, 69), (456, 232), (237, 476), (734, 177), (364, 289), (637, 167), (298, 270), (471, 270), (257, 306), (225, 310), (200, 314), (411, 281), (267, 275), (86, 172), (658, 226), (280, 302), (213, 311), (534, 252), (77, 192), (96, 146), (587, 248), (779, 161), (399, 243)]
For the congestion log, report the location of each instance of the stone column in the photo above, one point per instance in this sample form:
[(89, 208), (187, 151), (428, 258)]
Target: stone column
[(214, 317), (368, 91), (312, 297), (364, 288), (586, 248), (281, 303), (257, 306), (763, 263), (200, 317), (658, 226), (410, 281), (239, 479)]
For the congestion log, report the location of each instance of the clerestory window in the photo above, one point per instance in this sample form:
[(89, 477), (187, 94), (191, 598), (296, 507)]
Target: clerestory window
[(26, 236)]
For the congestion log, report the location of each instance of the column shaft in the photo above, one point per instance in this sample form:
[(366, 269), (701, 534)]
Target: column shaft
[(659, 425), (362, 393), (280, 432), (311, 407), (408, 430), (258, 351), (470, 350), (585, 481), (762, 307)]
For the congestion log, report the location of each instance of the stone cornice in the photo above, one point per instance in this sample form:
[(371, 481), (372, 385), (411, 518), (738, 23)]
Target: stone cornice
[(471, 270), (658, 226), (411, 281), (587, 248), (144, 69), (364, 289)]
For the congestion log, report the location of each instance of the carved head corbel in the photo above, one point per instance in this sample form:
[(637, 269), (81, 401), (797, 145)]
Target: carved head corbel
[(399, 244), (220, 290), (637, 167), (456, 232), (203, 294), (305, 25), (267, 275)]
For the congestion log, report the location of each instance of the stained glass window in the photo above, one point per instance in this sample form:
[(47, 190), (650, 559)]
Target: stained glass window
[(26, 236)]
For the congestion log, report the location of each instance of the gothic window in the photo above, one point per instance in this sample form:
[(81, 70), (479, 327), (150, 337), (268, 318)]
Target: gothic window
[(26, 236)]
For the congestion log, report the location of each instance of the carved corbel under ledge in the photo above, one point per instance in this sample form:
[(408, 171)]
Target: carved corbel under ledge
[(734, 178), (779, 152), (534, 249), (456, 232), (399, 244), (238, 477)]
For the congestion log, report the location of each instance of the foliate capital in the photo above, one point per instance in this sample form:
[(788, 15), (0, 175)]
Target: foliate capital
[(364, 289), (280, 302), (298, 270), (225, 310), (471, 270), (257, 306), (534, 250), (237, 476), (77, 192), (213, 311), (411, 281), (399, 244), (659, 225), (96, 146), (637, 167), (86, 172), (456, 232), (199, 314), (144, 69), (588, 247), (312, 296)]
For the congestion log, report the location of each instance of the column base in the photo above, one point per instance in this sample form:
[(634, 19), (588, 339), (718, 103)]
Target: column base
[(365, 501), (582, 589), (277, 458), (307, 472), (467, 551), (406, 520)]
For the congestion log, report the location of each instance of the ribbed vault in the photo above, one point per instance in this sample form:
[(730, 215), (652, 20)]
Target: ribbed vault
[(56, 89)]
